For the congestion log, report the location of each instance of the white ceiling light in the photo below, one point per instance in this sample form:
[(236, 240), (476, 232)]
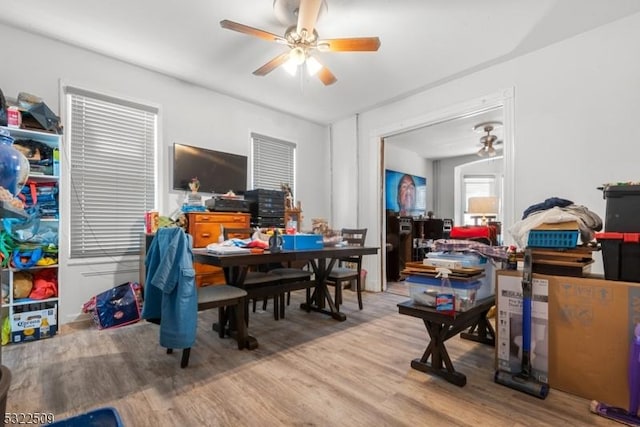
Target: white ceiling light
[(297, 57), (313, 66), (290, 67)]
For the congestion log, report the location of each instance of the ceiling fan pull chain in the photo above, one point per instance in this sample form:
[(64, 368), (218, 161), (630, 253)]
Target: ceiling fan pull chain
[(302, 76)]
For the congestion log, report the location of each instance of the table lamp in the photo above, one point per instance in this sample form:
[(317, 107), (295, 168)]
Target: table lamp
[(483, 206)]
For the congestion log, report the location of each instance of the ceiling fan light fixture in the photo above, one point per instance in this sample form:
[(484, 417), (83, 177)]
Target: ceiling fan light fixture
[(302, 39), (313, 66), (290, 67), (487, 140), (297, 55)]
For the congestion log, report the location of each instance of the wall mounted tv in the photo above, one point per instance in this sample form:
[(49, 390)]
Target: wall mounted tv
[(218, 172)]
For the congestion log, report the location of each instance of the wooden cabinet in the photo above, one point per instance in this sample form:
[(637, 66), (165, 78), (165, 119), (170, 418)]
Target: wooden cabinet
[(205, 228)]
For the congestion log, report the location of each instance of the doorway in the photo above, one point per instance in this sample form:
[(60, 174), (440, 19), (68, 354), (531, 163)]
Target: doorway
[(436, 150)]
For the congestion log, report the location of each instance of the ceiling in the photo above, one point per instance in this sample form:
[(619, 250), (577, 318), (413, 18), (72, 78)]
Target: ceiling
[(423, 42), (451, 138)]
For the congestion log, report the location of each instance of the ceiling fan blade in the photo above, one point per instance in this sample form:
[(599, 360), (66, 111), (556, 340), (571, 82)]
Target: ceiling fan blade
[(326, 76), (308, 15), (245, 29), (271, 65), (362, 44)]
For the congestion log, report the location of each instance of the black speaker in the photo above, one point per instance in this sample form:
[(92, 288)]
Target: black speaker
[(399, 241), (428, 229), (447, 226)]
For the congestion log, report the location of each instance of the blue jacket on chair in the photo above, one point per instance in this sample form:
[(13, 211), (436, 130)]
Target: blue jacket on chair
[(170, 289)]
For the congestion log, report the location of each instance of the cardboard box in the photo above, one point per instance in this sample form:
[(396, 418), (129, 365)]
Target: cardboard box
[(568, 225), (509, 324), (151, 220), (34, 325), (592, 323)]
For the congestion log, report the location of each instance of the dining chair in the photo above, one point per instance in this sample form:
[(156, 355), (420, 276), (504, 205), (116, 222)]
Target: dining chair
[(342, 274), (262, 277), (225, 298), (289, 275), (169, 299)]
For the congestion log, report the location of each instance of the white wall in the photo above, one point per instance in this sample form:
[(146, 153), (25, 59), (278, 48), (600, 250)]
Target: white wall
[(344, 189), (189, 114), (576, 122)]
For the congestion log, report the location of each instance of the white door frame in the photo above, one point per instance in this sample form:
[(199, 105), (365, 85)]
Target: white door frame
[(503, 98)]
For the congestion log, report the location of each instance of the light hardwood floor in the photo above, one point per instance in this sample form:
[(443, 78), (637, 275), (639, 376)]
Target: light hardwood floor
[(309, 370)]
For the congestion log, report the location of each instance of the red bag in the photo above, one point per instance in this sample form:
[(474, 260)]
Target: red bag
[(474, 232), (45, 284)]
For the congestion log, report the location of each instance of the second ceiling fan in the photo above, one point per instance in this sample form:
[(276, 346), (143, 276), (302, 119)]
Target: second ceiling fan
[(488, 141), (302, 41)]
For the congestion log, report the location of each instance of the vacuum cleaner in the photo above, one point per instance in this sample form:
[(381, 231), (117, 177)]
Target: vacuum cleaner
[(628, 417), (524, 381)]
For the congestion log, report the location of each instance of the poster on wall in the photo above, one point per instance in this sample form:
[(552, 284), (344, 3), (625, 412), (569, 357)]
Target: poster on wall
[(405, 193)]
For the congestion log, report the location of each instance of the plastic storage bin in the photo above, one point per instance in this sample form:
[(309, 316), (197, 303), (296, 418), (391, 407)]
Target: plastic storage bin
[(623, 208), (470, 259), (620, 255), (465, 259), (423, 290), (103, 417), (296, 242), (553, 238)]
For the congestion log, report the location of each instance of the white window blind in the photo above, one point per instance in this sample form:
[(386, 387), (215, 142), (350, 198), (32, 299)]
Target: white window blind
[(273, 162), (112, 170)]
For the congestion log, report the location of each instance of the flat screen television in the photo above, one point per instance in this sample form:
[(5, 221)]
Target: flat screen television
[(218, 172), (394, 184)]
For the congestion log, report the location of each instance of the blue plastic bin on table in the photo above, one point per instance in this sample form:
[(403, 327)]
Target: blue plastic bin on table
[(297, 242), (563, 239)]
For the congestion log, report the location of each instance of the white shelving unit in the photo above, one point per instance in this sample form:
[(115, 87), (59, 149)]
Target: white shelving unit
[(34, 309)]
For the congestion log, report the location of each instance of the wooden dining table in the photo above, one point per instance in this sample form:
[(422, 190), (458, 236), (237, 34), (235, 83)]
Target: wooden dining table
[(322, 261)]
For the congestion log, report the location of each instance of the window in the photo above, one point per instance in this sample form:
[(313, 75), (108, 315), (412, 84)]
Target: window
[(273, 162), (112, 145), (476, 186)]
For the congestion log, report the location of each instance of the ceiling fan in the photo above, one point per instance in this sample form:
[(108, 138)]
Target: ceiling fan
[(488, 141), (302, 40)]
